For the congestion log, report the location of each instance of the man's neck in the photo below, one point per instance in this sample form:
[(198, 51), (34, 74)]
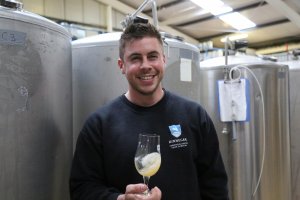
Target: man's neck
[(144, 99)]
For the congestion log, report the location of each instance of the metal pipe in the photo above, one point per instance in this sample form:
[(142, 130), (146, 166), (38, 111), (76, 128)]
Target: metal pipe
[(154, 14), (144, 4), (226, 51), (141, 8), (226, 71)]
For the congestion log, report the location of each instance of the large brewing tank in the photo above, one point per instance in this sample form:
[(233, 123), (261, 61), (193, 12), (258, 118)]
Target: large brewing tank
[(97, 78), (294, 69), (35, 106), (256, 152)]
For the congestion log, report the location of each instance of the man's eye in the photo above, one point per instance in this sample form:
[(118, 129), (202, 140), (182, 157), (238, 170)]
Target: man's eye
[(153, 56), (135, 58)]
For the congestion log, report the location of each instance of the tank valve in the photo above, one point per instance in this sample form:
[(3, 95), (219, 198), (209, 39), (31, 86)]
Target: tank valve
[(11, 4)]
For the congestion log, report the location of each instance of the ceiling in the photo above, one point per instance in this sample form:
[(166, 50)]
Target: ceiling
[(277, 21)]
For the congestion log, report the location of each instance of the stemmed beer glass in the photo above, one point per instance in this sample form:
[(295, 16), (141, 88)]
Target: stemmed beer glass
[(147, 157)]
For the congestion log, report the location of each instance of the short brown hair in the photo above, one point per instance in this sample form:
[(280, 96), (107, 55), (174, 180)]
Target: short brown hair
[(137, 31)]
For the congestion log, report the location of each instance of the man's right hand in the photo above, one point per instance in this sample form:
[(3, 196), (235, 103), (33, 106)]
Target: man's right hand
[(135, 192)]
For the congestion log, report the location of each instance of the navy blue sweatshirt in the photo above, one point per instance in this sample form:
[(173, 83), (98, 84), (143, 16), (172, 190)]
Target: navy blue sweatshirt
[(191, 167)]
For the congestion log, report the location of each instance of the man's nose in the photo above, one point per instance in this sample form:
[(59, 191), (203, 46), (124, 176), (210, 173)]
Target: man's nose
[(145, 64)]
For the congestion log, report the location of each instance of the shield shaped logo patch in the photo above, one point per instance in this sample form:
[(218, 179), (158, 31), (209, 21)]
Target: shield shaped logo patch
[(175, 130)]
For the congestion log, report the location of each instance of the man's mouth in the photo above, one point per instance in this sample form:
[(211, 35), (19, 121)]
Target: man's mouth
[(148, 77)]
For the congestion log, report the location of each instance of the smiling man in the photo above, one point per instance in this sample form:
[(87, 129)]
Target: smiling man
[(142, 61), (191, 164)]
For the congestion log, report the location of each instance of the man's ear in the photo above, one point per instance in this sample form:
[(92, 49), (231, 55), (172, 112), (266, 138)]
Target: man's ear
[(121, 65)]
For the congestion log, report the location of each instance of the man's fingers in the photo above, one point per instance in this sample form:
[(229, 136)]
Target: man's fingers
[(156, 192), (135, 188)]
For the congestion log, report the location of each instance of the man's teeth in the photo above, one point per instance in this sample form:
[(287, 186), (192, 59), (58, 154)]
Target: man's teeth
[(146, 77)]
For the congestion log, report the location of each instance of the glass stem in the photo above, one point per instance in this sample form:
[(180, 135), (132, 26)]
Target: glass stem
[(146, 182)]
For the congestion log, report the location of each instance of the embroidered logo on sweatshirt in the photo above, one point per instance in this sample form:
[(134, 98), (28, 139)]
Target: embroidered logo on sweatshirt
[(175, 130), (178, 142)]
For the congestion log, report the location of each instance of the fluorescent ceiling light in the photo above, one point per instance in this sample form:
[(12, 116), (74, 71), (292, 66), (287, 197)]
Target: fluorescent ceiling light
[(237, 21), (221, 10), (235, 37), (215, 7)]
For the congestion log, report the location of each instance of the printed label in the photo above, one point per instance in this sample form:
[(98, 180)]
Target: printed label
[(12, 37), (185, 70)]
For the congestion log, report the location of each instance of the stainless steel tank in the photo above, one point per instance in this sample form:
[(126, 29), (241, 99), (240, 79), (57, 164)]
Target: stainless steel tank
[(294, 69), (97, 78), (35, 106), (258, 159)]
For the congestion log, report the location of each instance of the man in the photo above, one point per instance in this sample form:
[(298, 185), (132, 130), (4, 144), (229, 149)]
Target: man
[(103, 164)]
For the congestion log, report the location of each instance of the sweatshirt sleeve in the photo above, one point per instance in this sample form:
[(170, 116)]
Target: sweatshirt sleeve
[(87, 178), (211, 170)]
